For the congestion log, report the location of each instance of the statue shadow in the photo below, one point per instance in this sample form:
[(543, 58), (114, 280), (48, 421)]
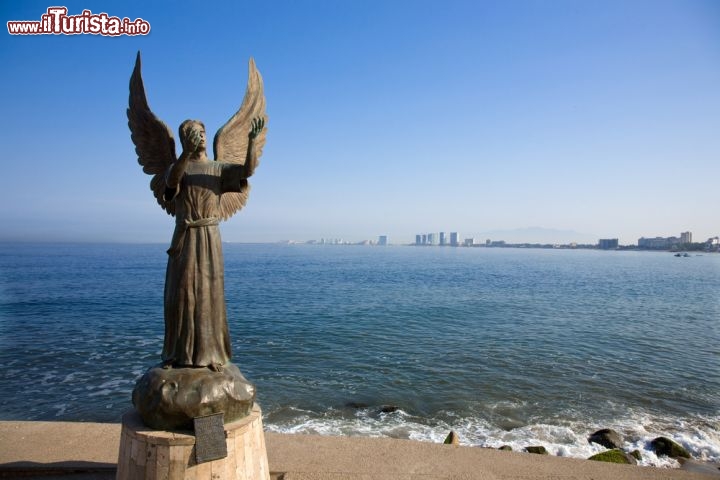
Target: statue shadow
[(76, 470)]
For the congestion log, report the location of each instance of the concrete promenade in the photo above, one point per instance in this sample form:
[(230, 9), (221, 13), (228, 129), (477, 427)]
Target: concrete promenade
[(88, 451)]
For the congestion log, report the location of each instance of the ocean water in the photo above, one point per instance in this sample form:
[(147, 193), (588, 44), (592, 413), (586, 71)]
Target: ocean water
[(504, 346)]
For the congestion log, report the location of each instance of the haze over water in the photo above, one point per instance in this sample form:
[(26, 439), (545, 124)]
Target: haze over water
[(504, 346)]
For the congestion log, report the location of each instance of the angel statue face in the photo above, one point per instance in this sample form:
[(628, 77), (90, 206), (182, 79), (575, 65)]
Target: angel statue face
[(192, 135)]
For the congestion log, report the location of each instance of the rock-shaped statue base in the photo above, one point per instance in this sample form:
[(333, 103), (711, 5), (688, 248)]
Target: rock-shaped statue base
[(169, 398)]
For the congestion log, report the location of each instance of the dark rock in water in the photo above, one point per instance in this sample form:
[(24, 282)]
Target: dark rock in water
[(636, 454), (540, 450), (506, 448), (389, 409), (509, 424), (614, 456), (607, 438), (169, 399), (665, 446), (452, 439), (356, 405)]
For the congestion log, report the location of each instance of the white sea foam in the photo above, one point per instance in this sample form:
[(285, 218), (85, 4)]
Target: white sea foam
[(61, 408), (47, 378), (102, 392), (116, 383), (568, 439)]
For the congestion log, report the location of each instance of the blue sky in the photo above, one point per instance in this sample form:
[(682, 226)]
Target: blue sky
[(385, 117)]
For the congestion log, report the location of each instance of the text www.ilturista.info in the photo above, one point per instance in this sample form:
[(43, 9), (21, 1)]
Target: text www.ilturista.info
[(57, 22)]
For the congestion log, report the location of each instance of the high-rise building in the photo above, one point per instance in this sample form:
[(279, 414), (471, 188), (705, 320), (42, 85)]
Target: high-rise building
[(454, 239), (686, 237), (658, 243), (442, 239), (418, 239), (424, 239), (382, 240), (431, 239), (608, 243)]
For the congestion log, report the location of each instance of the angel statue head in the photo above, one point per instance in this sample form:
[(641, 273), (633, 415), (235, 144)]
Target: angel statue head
[(190, 130)]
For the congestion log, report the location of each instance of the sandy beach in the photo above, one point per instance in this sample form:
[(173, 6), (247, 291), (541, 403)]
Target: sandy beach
[(89, 451)]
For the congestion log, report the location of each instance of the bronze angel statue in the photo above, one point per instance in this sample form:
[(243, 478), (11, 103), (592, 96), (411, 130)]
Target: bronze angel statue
[(199, 193)]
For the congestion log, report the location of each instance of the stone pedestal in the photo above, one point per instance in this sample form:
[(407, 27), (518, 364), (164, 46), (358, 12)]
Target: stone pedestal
[(147, 454)]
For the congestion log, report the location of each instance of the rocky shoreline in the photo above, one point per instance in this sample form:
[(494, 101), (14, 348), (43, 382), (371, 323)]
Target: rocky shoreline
[(661, 451), (617, 452)]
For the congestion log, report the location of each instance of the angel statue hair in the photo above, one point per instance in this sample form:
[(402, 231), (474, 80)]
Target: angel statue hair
[(199, 193)]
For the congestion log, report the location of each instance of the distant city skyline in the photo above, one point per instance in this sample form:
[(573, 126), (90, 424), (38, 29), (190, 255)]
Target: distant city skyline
[(534, 235), (443, 238), (588, 120)]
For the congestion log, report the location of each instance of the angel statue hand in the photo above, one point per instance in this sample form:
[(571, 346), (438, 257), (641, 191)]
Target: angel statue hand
[(196, 139), (256, 127)]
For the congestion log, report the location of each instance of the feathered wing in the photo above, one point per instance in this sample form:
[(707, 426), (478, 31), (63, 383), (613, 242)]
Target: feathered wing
[(154, 143), (231, 141)]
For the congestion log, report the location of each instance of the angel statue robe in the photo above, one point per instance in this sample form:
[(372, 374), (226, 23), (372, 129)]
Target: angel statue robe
[(196, 330)]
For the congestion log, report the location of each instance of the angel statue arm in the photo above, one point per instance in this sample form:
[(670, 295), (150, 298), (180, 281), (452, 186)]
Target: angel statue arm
[(251, 159), (194, 144)]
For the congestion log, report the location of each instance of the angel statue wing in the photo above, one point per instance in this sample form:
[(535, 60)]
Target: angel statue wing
[(154, 143), (231, 141)]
